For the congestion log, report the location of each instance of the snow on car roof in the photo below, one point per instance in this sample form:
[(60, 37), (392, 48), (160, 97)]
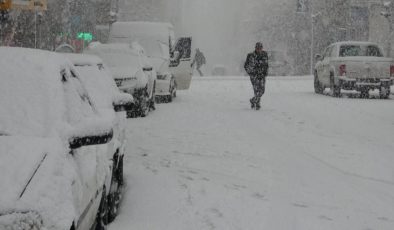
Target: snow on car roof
[(24, 73), (121, 48), (83, 59), (355, 43)]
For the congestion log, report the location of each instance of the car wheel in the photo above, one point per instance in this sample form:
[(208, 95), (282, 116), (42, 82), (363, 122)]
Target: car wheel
[(364, 93), (384, 92), (317, 85), (144, 103), (174, 90), (114, 199), (102, 213), (116, 189), (153, 97), (334, 89)]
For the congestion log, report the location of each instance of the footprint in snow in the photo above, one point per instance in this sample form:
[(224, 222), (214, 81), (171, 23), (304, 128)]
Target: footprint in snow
[(235, 187), (385, 219), (192, 172), (300, 205), (259, 196), (323, 217), (216, 212)]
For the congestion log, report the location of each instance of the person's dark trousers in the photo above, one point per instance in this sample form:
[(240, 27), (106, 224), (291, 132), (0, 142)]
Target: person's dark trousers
[(258, 83), (199, 71)]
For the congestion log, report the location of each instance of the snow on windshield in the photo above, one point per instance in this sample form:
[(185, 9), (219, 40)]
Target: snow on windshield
[(30, 98), (119, 59)]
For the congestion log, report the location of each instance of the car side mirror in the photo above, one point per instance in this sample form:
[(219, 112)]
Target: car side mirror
[(147, 68), (318, 57), (93, 133), (123, 102)]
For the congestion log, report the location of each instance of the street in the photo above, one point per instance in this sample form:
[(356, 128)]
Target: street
[(304, 161)]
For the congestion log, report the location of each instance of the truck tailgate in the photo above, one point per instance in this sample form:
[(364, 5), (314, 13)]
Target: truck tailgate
[(367, 68)]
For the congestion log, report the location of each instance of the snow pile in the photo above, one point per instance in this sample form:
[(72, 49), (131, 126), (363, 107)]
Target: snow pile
[(23, 73)]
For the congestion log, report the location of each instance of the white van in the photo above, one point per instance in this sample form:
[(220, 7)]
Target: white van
[(171, 58)]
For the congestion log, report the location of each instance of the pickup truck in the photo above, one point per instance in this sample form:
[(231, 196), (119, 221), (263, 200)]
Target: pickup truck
[(353, 65)]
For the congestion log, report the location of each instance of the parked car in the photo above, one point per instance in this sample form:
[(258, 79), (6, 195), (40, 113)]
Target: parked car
[(353, 65), (53, 163), (278, 63), (131, 71), (111, 103), (171, 58)]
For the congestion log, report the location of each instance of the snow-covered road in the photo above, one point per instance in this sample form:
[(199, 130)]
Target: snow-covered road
[(304, 162)]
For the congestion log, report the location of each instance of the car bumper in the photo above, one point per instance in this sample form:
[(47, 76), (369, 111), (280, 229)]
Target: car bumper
[(371, 83), (163, 87)]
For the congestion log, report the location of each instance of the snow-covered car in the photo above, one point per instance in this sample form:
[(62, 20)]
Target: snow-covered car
[(53, 164), (131, 72), (112, 103), (353, 65), (171, 58)]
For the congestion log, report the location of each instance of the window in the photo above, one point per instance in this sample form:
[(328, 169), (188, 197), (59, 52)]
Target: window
[(360, 50), (350, 50), (374, 51)]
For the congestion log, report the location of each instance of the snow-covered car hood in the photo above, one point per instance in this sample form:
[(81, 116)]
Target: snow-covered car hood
[(124, 72), (35, 182)]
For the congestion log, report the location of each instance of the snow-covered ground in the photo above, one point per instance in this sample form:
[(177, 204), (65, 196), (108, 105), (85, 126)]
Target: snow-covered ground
[(305, 161)]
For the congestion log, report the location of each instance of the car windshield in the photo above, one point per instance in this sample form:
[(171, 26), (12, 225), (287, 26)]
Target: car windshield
[(154, 48), (360, 51), (118, 59)]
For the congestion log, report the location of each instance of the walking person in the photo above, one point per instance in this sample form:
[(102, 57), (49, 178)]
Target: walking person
[(199, 58), (256, 66)]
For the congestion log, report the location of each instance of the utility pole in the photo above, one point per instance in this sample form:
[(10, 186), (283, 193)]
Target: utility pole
[(387, 13)]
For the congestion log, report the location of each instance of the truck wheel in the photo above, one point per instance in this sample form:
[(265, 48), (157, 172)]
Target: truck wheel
[(152, 99), (317, 85), (364, 93), (384, 92), (335, 89), (144, 103)]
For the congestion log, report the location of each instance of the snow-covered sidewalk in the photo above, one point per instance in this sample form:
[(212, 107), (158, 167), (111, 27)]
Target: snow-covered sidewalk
[(305, 161)]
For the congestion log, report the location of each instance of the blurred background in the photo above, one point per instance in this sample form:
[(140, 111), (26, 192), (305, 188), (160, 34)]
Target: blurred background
[(293, 31)]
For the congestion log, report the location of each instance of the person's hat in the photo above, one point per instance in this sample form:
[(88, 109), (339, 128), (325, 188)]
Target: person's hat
[(259, 45)]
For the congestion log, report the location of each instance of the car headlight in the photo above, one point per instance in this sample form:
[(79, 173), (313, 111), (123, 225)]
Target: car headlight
[(21, 220)]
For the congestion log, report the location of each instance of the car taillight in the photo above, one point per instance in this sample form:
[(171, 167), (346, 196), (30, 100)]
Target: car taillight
[(342, 70), (392, 71)]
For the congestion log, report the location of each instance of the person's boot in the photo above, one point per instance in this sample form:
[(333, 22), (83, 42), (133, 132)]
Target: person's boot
[(257, 104), (252, 104)]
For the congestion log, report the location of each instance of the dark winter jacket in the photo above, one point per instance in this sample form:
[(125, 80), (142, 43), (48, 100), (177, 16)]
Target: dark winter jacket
[(257, 64)]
